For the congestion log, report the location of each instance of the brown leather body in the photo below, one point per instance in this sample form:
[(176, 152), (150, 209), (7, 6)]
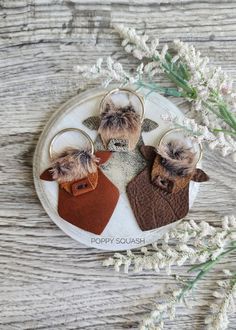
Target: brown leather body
[(154, 207), (157, 198), (91, 210)]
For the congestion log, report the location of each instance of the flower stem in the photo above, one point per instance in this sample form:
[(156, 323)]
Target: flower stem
[(153, 87), (222, 114), (204, 268), (179, 81), (224, 131)]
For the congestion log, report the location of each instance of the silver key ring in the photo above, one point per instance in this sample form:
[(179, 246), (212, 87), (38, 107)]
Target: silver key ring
[(178, 130), (60, 133), (126, 90)]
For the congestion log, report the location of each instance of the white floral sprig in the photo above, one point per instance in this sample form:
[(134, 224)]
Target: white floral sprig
[(188, 242), (162, 310), (208, 88), (186, 68), (200, 244), (138, 45), (208, 81), (111, 71), (167, 307), (224, 305)]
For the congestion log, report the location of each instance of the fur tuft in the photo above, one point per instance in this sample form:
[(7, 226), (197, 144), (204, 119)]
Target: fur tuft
[(177, 158), (73, 164), (119, 118), (119, 123)]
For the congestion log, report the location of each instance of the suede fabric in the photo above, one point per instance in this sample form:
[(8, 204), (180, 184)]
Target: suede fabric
[(82, 186), (87, 203)]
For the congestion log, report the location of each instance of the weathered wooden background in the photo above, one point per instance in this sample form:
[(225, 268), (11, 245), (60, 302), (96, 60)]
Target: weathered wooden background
[(48, 281)]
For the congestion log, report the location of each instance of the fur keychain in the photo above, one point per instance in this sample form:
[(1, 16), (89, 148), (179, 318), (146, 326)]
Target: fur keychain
[(86, 197), (73, 164), (177, 158), (130, 163), (173, 166), (120, 127), (159, 195)]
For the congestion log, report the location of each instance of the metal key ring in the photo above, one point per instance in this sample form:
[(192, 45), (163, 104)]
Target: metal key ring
[(57, 135), (177, 130), (127, 90)]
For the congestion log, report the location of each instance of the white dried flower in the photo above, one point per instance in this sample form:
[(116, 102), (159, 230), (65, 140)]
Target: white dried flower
[(191, 242), (155, 320), (111, 71), (218, 320), (137, 45)]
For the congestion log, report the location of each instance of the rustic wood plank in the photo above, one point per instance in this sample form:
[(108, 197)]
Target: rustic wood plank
[(47, 280)]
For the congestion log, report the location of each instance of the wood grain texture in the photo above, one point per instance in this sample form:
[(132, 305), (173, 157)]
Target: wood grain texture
[(47, 280)]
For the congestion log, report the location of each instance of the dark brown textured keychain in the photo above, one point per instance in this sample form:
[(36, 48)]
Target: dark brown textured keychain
[(86, 197), (159, 195)]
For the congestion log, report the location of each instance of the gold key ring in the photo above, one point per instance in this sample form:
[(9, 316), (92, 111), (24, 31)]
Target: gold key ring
[(177, 130), (127, 90), (60, 133)]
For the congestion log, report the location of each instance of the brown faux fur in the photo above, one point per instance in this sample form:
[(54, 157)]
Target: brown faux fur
[(73, 164), (177, 158), (164, 179), (120, 123)]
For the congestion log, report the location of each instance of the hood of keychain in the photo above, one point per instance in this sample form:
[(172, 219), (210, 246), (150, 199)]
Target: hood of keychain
[(75, 169), (120, 126)]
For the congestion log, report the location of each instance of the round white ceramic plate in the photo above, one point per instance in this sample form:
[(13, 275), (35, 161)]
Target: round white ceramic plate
[(122, 231)]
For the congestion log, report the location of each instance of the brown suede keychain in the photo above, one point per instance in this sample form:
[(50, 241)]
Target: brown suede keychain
[(159, 194), (86, 197)]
